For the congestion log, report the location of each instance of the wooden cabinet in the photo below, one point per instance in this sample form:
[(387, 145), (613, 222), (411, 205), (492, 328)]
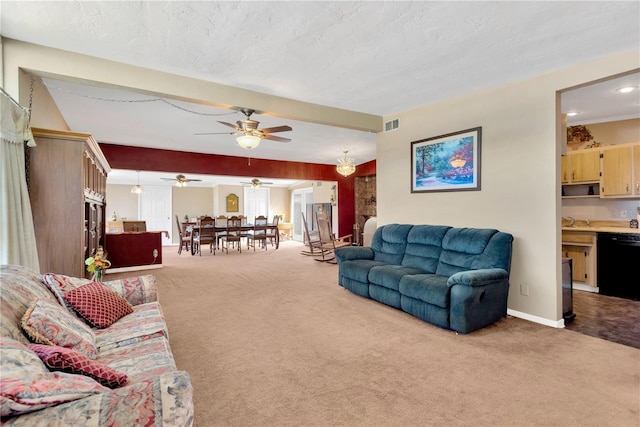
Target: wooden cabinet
[(584, 166), (581, 248), (67, 188), (616, 177), (635, 182)]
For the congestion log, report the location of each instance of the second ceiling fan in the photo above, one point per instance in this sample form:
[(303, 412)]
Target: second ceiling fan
[(248, 133)]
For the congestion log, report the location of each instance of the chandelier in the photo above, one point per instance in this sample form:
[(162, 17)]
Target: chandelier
[(137, 189), (345, 165)]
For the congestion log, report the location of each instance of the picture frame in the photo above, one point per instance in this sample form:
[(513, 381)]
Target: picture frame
[(232, 203), (448, 162)]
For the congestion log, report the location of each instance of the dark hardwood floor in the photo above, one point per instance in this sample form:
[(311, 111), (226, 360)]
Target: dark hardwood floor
[(610, 318)]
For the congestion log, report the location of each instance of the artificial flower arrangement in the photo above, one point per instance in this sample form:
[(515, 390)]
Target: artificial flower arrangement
[(97, 264)]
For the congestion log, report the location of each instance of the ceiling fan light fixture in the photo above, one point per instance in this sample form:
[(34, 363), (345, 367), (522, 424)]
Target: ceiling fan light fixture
[(181, 184), (248, 142), (345, 166), (137, 189)]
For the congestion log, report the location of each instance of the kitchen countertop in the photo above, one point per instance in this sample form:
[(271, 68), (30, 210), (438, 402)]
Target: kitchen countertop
[(597, 229)]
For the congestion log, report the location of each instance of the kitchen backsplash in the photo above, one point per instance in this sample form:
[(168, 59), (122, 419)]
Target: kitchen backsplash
[(598, 209)]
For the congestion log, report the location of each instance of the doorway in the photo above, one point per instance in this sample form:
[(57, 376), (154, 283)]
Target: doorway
[(155, 209), (299, 200)]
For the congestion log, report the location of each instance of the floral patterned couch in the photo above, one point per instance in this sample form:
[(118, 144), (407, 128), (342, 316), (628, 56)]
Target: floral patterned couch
[(57, 370)]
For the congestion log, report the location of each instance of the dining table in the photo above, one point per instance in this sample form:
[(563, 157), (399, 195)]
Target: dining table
[(194, 229)]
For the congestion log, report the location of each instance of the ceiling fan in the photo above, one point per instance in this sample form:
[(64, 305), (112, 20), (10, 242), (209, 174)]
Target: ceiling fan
[(256, 183), (181, 180), (247, 132)]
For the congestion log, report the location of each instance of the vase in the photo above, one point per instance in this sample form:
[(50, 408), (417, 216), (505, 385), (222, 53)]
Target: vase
[(97, 276)]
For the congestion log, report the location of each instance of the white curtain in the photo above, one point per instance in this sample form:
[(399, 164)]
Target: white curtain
[(17, 235)]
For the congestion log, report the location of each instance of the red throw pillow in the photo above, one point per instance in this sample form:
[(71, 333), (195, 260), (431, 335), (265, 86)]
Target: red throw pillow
[(97, 304), (73, 362)]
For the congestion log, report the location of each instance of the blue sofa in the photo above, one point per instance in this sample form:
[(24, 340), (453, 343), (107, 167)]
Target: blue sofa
[(455, 278)]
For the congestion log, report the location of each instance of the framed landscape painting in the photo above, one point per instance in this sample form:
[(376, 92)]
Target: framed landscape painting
[(447, 162)]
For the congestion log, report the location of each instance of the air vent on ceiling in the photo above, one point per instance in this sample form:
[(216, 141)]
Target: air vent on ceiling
[(391, 125)]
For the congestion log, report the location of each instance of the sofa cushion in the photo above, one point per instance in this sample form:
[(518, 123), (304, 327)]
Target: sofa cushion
[(67, 360), (389, 243), (358, 269), (19, 286), (429, 288), (48, 323), (424, 245), (137, 290), (461, 247), (389, 276), (28, 386), (58, 284), (97, 304), (141, 360), (146, 322)]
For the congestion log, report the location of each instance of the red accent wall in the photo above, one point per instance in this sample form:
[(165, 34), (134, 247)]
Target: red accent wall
[(150, 159)]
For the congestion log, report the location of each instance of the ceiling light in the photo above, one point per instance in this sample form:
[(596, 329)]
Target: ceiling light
[(137, 189), (345, 166), (626, 89), (248, 141), (572, 113), (181, 184)]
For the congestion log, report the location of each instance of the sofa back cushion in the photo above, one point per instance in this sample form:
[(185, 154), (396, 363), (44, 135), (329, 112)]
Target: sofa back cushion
[(424, 245), (19, 287), (389, 243), (474, 249)]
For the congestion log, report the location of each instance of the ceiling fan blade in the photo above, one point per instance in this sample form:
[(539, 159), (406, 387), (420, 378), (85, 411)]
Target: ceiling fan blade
[(230, 125), (277, 129), (192, 180), (168, 179), (276, 138), (215, 133)]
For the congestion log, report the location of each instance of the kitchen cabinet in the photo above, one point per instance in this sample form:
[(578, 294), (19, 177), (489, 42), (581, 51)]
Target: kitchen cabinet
[(584, 166), (67, 187), (581, 248), (636, 170), (616, 172)]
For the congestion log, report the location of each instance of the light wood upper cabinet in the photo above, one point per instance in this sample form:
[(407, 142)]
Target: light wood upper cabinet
[(585, 166), (564, 167), (617, 169), (636, 170)]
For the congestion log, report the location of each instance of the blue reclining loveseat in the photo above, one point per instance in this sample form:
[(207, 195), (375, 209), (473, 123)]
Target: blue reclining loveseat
[(455, 278)]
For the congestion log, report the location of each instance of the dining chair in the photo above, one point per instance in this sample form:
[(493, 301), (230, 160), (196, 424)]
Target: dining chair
[(328, 241), (205, 234), (232, 234), (259, 233), (185, 236), (272, 231), (221, 227)]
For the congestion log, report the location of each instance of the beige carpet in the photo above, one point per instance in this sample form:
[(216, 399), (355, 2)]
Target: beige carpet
[(270, 339)]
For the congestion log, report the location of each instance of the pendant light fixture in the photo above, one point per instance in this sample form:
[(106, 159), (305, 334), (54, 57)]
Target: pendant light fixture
[(248, 142), (345, 165), (137, 189)]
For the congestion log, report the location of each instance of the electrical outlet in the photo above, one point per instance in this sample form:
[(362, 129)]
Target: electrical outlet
[(524, 290), (155, 253)]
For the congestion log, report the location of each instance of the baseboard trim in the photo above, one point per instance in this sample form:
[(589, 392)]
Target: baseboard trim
[(133, 268), (586, 288), (536, 319)]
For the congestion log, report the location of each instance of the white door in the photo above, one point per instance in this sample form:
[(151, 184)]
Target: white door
[(299, 200), (155, 209)]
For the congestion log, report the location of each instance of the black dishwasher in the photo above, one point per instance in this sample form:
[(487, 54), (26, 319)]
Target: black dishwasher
[(619, 265)]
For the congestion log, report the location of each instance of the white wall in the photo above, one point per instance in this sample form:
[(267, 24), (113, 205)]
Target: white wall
[(520, 175)]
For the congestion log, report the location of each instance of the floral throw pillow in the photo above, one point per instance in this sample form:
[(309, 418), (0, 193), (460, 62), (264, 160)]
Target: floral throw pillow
[(58, 284), (48, 323), (99, 305), (73, 362), (26, 385)]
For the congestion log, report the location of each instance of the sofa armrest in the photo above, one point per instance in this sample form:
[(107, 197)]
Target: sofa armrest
[(477, 278), (353, 252), (137, 290)]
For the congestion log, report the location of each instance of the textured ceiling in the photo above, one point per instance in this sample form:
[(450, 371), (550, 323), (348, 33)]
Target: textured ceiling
[(372, 57)]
